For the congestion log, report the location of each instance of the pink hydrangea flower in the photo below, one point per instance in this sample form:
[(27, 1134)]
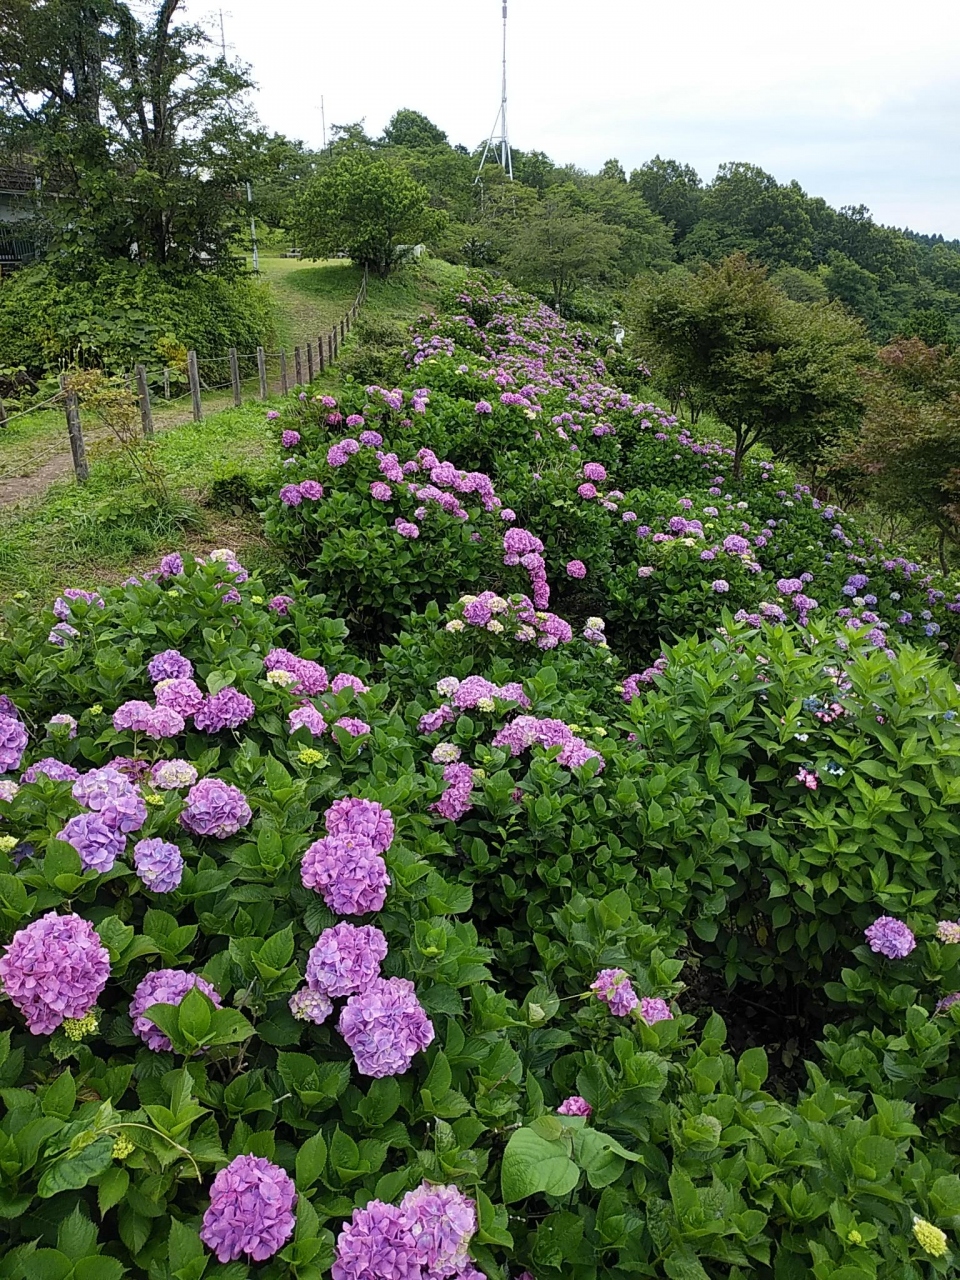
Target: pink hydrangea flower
[(54, 968), (251, 1210)]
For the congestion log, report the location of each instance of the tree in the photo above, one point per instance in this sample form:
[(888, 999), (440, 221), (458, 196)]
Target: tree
[(367, 206), (613, 169), (139, 133), (559, 247), (746, 210), (907, 453), (775, 371), (413, 130), (672, 190)]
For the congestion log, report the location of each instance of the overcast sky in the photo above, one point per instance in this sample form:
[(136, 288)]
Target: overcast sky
[(857, 100)]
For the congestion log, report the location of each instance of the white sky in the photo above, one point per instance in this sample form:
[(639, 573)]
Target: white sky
[(859, 100)]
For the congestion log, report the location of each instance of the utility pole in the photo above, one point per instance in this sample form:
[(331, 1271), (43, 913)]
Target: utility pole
[(323, 120), (253, 231)]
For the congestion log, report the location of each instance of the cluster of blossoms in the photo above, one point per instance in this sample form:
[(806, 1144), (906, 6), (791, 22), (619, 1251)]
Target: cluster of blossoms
[(515, 616), (613, 988), (631, 686), (163, 986), (116, 809), (456, 799), (382, 1021), (890, 937), (524, 732), (53, 969), (215, 808), (13, 742), (522, 548), (251, 1210), (475, 692), (425, 1237), (291, 495), (346, 867)]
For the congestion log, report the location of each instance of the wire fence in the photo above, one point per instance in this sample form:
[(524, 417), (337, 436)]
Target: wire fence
[(244, 375)]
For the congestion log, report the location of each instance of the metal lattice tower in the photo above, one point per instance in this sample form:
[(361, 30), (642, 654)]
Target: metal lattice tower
[(500, 146)]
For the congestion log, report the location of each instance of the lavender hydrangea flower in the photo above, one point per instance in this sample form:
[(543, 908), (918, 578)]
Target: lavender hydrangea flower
[(171, 775), (343, 681), (652, 1009), (227, 709), (280, 605), (348, 872), (53, 969), (214, 808), (345, 959), (353, 815), (184, 696), (50, 768), (613, 987), (309, 718), (13, 743), (164, 986), (159, 864), (171, 566), (62, 726), (890, 937), (98, 844), (169, 665), (442, 1222), (251, 1210), (350, 724), (575, 1106), (376, 1243), (308, 1005), (576, 569), (290, 495), (385, 1027), (380, 491), (8, 789)]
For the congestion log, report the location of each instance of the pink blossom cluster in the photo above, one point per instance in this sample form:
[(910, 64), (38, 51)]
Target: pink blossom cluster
[(456, 799), (163, 986), (251, 1210), (521, 547), (345, 867), (54, 968), (631, 686), (524, 732), (425, 1237)]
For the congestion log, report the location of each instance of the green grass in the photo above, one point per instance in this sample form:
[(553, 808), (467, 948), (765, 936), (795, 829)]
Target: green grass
[(115, 525), (310, 296)]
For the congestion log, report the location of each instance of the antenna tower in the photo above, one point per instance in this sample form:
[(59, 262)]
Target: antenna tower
[(500, 146)]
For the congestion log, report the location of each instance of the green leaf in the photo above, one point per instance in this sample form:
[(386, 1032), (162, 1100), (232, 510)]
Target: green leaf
[(77, 1236), (752, 1069), (311, 1159), (59, 1097), (46, 1264), (112, 1187), (195, 1016), (532, 1164), (73, 1171)]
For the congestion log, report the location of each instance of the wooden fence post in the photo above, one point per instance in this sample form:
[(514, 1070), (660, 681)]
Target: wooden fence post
[(342, 332), (166, 384), (262, 371), (320, 354), (235, 377), (284, 386), (330, 352), (309, 360), (3, 414), (193, 374), (143, 392), (75, 433), (336, 348), (347, 319), (297, 367)]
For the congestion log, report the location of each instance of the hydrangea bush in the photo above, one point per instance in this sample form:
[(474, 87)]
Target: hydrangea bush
[(370, 924)]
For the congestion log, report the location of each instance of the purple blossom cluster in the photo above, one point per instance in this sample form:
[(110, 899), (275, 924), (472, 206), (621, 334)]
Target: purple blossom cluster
[(251, 1210), (13, 743), (521, 548), (215, 808), (54, 968), (310, 678), (347, 872), (524, 732), (425, 1237), (163, 986), (159, 864), (227, 709), (890, 937), (140, 717), (345, 959), (614, 989), (385, 1027), (456, 799)]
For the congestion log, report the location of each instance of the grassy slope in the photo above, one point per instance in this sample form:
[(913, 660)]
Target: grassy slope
[(80, 537)]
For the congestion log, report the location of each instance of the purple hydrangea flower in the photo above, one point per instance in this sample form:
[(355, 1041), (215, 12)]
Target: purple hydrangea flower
[(356, 728), (55, 968), (720, 586), (576, 569), (184, 696), (575, 1106), (406, 529), (251, 1210), (312, 489), (214, 808), (98, 844), (382, 492), (890, 937), (442, 1222), (594, 471), (376, 1243), (13, 742), (652, 1009), (347, 872), (613, 987), (385, 1027), (50, 768), (171, 566), (289, 439), (307, 717), (345, 959), (164, 986), (290, 495), (227, 709), (159, 865), (170, 665), (171, 775), (355, 816), (281, 605), (307, 1005)]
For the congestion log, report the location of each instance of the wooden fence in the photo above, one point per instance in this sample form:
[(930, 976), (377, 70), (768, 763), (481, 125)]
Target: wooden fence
[(267, 372)]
